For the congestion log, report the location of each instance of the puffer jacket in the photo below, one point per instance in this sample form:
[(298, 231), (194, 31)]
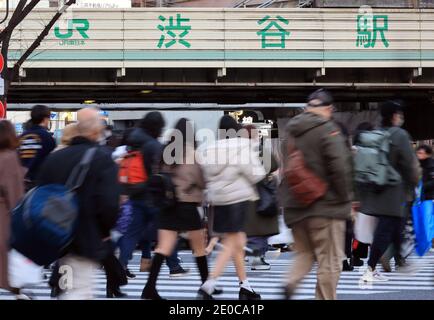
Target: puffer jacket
[(231, 169)]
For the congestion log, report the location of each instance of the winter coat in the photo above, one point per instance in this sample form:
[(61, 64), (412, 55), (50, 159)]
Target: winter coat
[(256, 224), (391, 200), (326, 155), (428, 178), (188, 180), (11, 191), (35, 145), (231, 168), (98, 196)]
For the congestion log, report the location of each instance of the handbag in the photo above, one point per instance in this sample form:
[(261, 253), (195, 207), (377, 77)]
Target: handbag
[(364, 227), (423, 222), (304, 184), (22, 271), (267, 204)]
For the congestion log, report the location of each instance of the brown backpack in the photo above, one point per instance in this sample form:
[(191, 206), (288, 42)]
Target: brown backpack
[(305, 186)]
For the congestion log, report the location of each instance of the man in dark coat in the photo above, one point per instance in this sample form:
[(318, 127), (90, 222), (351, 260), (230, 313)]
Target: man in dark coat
[(319, 229), (389, 204), (98, 203), (36, 143)]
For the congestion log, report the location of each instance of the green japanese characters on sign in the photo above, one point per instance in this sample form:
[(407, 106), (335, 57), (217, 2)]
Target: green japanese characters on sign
[(273, 31), (81, 25), (174, 31), (367, 28)]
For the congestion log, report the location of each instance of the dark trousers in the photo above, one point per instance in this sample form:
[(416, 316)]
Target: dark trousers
[(348, 238), (171, 261), (142, 217), (258, 244), (388, 231)]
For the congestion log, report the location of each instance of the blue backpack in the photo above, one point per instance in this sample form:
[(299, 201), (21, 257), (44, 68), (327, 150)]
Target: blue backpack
[(44, 222)]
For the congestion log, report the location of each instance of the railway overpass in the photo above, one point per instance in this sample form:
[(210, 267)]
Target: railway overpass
[(230, 56)]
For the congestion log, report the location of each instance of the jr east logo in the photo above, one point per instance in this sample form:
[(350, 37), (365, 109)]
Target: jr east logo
[(75, 27)]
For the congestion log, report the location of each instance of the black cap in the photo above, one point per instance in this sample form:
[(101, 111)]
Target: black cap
[(322, 95)]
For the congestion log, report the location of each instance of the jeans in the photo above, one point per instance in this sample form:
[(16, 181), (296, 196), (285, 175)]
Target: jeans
[(142, 217), (171, 261), (258, 244)]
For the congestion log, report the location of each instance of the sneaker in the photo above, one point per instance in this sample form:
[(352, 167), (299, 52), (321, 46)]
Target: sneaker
[(373, 276), (179, 272), (259, 263), (406, 268), (130, 274)]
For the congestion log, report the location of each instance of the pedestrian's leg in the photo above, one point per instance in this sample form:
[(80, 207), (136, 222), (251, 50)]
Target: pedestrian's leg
[(328, 239), (238, 256), (145, 261), (382, 238), (229, 242), (166, 242), (77, 273), (134, 232), (304, 256), (197, 243)]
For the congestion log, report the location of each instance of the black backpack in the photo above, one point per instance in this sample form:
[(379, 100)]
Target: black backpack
[(162, 190)]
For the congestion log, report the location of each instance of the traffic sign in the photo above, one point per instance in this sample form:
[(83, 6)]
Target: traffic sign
[(2, 110)]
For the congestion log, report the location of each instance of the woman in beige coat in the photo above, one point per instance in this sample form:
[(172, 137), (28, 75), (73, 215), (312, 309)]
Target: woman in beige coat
[(11, 191)]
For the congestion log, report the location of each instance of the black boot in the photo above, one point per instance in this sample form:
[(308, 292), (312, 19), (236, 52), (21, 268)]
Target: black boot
[(203, 295), (149, 291), (245, 294), (115, 293), (346, 266)]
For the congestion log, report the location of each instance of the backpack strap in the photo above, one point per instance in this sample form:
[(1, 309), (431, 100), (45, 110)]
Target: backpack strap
[(79, 173)]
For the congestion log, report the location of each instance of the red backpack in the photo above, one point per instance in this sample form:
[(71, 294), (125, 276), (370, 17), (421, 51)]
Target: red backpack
[(132, 169)]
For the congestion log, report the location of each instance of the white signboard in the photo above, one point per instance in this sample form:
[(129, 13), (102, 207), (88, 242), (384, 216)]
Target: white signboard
[(102, 4), (13, 4), (2, 86)]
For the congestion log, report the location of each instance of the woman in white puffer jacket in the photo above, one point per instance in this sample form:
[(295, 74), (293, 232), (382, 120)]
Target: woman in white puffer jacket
[(232, 168)]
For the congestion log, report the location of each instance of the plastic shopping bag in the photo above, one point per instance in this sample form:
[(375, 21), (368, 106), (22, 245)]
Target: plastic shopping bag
[(423, 224), (22, 271), (364, 228)]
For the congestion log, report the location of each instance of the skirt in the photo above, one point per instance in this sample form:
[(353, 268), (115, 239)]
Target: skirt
[(185, 217), (230, 218)]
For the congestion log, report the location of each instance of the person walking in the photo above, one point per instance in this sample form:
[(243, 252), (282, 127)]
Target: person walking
[(145, 139), (260, 227), (189, 185), (36, 143), (388, 203), (98, 198), (319, 228), (232, 169), (11, 191)]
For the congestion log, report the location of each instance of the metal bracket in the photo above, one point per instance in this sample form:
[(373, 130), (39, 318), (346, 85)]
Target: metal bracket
[(417, 72), (320, 72), (221, 73), (22, 73), (120, 73)]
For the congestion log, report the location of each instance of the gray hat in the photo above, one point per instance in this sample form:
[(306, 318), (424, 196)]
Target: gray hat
[(322, 95)]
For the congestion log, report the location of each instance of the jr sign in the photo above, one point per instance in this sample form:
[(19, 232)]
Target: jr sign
[(81, 26)]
